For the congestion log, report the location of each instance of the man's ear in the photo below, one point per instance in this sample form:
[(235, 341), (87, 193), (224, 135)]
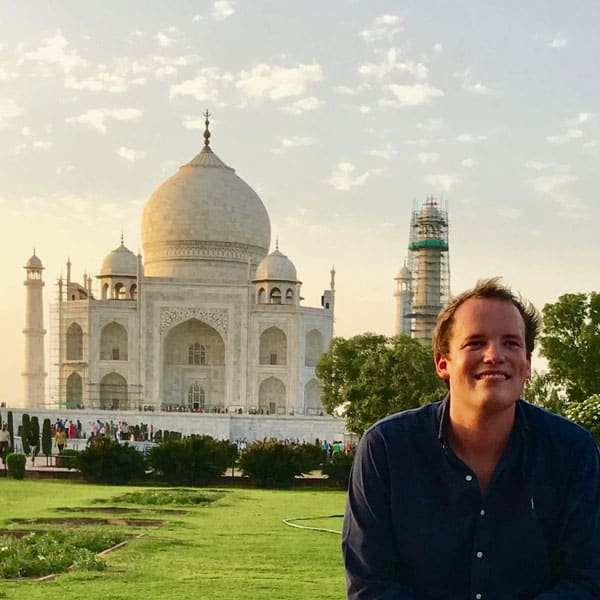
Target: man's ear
[(441, 367)]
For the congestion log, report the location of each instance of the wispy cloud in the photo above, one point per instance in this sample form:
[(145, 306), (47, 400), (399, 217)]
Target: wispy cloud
[(101, 82), (559, 41), (580, 119), (470, 84), (163, 40), (345, 177), (411, 95), (548, 184), (469, 163), (427, 158), (384, 27), (9, 110), (348, 91), (223, 9), (430, 125), (41, 145), (206, 86), (97, 118), (508, 212), (303, 105), (276, 82), (295, 141), (55, 51), (388, 152), (444, 181), (467, 138), (130, 154), (564, 138), (391, 63)]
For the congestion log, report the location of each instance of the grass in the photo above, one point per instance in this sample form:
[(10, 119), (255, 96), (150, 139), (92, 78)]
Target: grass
[(235, 546)]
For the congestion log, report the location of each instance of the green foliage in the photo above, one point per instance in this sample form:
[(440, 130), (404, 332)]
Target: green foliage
[(541, 391), (11, 432), (271, 464), (338, 468), (310, 457), (46, 438), (196, 460), (586, 414), (54, 552), (371, 376), (68, 459), (178, 497), (107, 461), (15, 463), (34, 436), (25, 432), (571, 344)]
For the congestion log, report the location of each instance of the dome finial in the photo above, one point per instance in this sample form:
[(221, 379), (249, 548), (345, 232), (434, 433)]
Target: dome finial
[(122, 240), (277, 243), (206, 131)]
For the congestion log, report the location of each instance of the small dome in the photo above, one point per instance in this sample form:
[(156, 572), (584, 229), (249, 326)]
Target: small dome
[(276, 266), (404, 273), (120, 262), (34, 263)]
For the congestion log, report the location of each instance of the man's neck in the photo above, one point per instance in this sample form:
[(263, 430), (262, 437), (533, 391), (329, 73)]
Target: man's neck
[(479, 438)]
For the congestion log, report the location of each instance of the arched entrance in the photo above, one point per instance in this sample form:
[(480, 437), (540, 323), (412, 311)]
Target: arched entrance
[(113, 392), (271, 397)]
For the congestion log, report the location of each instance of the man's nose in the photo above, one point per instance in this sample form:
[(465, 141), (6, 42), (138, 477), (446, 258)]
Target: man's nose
[(493, 352)]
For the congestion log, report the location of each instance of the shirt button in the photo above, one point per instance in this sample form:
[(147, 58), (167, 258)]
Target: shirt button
[(478, 596), (482, 512), (479, 555), (468, 477)]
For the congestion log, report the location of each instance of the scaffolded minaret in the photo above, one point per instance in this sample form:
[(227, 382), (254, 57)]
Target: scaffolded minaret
[(34, 375), (426, 278)]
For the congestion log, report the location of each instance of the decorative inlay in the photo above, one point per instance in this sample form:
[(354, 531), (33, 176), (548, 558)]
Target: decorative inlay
[(215, 317)]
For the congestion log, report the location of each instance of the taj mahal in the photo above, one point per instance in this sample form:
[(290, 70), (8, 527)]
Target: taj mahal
[(204, 321)]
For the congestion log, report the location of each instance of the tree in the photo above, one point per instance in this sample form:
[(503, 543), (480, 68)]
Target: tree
[(34, 437), (25, 428), (371, 376), (540, 390), (47, 439), (11, 432), (587, 414), (571, 344)]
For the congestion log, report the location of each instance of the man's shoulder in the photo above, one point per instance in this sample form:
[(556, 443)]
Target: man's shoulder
[(419, 419)]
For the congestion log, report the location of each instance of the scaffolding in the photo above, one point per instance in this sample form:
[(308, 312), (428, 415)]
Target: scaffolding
[(429, 266)]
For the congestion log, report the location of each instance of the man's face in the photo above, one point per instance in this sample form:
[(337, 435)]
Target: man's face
[(487, 362)]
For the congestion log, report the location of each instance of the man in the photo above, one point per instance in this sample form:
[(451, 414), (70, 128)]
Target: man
[(4, 442), (481, 496)]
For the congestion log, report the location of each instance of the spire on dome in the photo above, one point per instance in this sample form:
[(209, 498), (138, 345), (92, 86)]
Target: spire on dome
[(206, 131), (122, 240), (277, 243)]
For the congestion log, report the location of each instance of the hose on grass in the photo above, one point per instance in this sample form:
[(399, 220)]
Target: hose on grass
[(292, 523)]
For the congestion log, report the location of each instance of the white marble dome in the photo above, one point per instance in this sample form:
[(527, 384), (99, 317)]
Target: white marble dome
[(276, 267), (204, 223), (120, 262), (34, 263)]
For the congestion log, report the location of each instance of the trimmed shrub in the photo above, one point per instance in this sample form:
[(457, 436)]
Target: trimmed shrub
[(338, 468), (68, 459), (310, 457), (46, 438), (196, 460), (107, 461), (15, 463), (24, 433), (11, 432), (271, 463)]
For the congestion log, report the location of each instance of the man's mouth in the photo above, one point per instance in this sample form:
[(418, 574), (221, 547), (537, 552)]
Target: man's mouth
[(492, 376)]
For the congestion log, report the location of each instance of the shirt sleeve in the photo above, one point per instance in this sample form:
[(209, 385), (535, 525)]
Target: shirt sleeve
[(578, 566), (368, 545)]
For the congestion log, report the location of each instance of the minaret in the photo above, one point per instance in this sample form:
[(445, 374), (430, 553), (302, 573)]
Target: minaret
[(403, 298), (34, 332)]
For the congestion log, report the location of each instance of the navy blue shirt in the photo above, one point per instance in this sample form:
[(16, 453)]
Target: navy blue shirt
[(417, 526)]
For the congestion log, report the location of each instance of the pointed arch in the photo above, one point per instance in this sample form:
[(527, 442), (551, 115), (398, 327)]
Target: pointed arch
[(273, 347), (314, 348), (271, 396), (312, 398), (74, 342), (113, 392), (113, 342), (275, 296), (74, 390)]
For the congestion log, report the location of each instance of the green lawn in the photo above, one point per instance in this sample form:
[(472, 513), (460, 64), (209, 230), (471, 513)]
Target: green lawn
[(238, 547)]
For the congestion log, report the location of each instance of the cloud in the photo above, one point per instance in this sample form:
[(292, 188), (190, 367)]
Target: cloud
[(467, 138), (469, 163), (427, 158), (163, 40), (391, 63), (55, 51), (365, 110), (96, 118), (302, 105), (430, 125), (297, 141), (570, 134), (508, 212), (384, 27), (102, 82), (347, 91), (41, 145), (192, 122), (130, 154), (559, 41), (204, 87), (548, 184), (438, 48), (472, 86), (344, 177), (278, 82), (538, 165), (388, 152), (444, 181), (223, 9), (9, 110), (582, 117), (197, 18), (411, 95)]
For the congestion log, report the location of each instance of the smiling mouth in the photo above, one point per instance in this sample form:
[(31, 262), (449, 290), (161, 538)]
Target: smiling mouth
[(494, 376)]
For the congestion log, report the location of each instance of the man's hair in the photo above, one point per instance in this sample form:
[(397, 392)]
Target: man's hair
[(490, 289)]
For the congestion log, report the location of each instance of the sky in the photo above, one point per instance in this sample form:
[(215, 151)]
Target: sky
[(340, 114)]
